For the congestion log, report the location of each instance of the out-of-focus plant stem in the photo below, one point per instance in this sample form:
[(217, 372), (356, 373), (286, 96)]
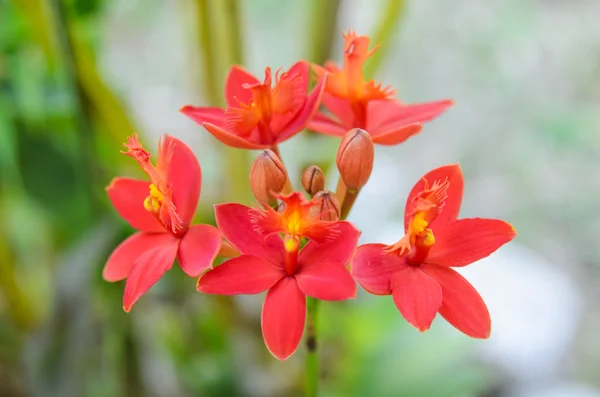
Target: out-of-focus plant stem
[(348, 202), (36, 12), (323, 21), (388, 22), (312, 358), (220, 38), (209, 73), (18, 306), (86, 152)]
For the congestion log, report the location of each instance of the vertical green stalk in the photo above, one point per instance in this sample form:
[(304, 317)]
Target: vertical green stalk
[(221, 45), (348, 202), (210, 81), (86, 171), (312, 358), (388, 22), (323, 21)]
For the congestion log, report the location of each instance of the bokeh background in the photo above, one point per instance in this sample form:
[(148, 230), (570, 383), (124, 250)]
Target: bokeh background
[(78, 76)]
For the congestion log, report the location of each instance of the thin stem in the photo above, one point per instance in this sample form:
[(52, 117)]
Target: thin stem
[(388, 22), (219, 26), (86, 170), (346, 206), (312, 359), (323, 17), (205, 37), (340, 190)]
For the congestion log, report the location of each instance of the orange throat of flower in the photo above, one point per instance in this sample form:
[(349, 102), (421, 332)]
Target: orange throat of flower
[(159, 200), (417, 241), (286, 97), (419, 238), (295, 221)]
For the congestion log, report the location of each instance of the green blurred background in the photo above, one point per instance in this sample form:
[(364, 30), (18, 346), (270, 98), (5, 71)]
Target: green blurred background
[(78, 76)]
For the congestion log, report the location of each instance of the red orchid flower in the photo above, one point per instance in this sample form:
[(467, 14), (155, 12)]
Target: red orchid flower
[(354, 102), (161, 210), (416, 270), (286, 271), (258, 116)]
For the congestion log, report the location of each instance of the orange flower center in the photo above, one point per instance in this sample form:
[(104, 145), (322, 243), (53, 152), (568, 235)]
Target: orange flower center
[(295, 221), (286, 97), (159, 201), (419, 239)]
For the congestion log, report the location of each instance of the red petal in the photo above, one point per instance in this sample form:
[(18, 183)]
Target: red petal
[(373, 269), (234, 86), (127, 196), (452, 205), (202, 115), (323, 124), (340, 108), (289, 96), (147, 270), (302, 69), (391, 114), (283, 318), (306, 113), (326, 281), (395, 136), (339, 250), (462, 305), (465, 241), (121, 260), (237, 227), (417, 296), (245, 274), (198, 249), (230, 138), (184, 176)]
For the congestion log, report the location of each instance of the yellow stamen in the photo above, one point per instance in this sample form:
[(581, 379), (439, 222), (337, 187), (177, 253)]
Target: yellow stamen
[(154, 201), (418, 223)]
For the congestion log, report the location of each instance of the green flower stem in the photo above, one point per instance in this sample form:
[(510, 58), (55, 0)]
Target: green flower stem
[(388, 22), (348, 202), (324, 15), (312, 359), (220, 38)]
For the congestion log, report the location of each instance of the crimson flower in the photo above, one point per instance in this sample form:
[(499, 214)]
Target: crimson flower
[(354, 102), (258, 116), (161, 210), (416, 270), (279, 266)]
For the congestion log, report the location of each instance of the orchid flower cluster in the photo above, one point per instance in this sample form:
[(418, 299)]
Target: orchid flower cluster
[(294, 245)]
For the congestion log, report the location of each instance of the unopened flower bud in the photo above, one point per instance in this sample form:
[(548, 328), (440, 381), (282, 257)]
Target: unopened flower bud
[(326, 206), (267, 176), (313, 180), (355, 158)]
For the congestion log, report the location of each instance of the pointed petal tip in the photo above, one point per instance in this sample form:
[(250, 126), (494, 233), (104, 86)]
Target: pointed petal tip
[(127, 309), (185, 108)]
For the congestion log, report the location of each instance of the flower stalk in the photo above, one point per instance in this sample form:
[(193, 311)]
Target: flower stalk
[(312, 358)]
